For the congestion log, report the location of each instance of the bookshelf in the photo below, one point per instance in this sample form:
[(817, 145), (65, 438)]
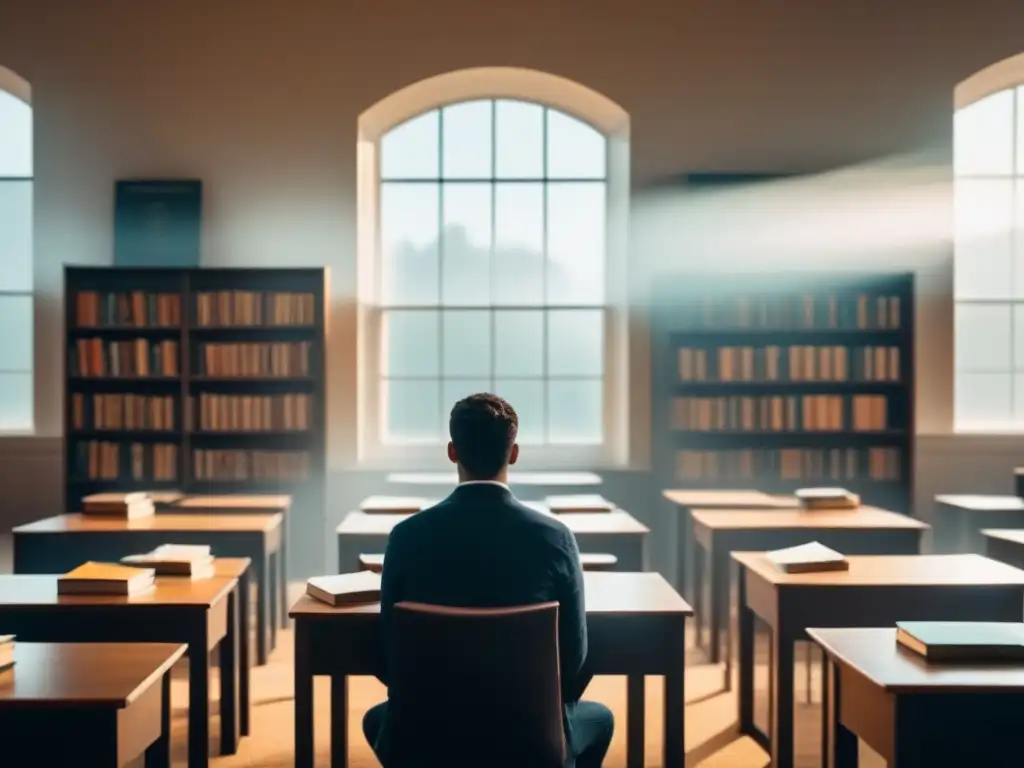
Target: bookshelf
[(199, 380), (780, 381)]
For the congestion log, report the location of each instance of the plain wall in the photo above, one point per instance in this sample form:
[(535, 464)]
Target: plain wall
[(259, 99)]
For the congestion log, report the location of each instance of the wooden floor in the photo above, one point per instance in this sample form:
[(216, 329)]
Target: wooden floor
[(711, 738)]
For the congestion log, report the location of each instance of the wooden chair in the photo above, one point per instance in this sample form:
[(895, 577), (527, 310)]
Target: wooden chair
[(590, 562), (474, 687)]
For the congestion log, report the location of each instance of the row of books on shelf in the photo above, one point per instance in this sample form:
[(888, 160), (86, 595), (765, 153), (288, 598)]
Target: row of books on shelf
[(794, 363), (104, 460), (839, 311), (782, 413), (132, 358), (131, 309), (140, 358), (214, 413), (791, 464), (254, 308), (143, 309)]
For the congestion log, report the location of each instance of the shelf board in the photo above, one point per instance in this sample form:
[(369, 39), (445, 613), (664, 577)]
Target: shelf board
[(125, 434), (705, 388), (125, 330)]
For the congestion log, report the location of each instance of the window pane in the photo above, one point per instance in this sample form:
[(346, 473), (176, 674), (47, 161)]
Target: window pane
[(575, 412), (468, 140), (576, 343), (519, 140), (1018, 238), (983, 137), (982, 338), (15, 136), (410, 409), (527, 397), (575, 149), (409, 232), (453, 390), (16, 406), (1019, 144), (466, 244), (518, 244), (15, 333), (1018, 337), (576, 243), (16, 235), (518, 343), (412, 150), (982, 400), (984, 239), (466, 342), (411, 343)]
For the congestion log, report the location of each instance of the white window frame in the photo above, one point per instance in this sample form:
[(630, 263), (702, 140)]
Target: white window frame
[(19, 88), (494, 83), (1001, 76)]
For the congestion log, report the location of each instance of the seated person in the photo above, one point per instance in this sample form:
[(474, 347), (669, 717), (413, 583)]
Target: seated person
[(481, 548)]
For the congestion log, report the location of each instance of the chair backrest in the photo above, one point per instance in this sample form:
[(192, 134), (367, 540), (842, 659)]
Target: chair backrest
[(475, 687)]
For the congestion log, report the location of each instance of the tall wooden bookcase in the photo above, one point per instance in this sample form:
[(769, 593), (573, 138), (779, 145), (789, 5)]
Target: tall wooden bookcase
[(198, 380), (781, 381)]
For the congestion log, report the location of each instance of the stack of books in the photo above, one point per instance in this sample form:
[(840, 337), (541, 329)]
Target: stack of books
[(393, 505), (6, 652), (827, 498), (106, 579), (192, 560), (345, 588), (962, 641), (581, 503), (125, 506), (808, 558)]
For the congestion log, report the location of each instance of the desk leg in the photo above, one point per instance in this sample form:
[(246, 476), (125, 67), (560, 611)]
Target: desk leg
[(698, 595), (273, 591), (840, 747), (262, 593), (244, 652), (303, 698), (339, 721), (718, 576), (675, 702), (745, 630), (198, 701), (282, 580), (227, 666), (158, 755), (782, 700), (635, 719)]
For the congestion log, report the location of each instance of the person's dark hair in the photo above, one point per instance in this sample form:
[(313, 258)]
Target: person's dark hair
[(483, 428)]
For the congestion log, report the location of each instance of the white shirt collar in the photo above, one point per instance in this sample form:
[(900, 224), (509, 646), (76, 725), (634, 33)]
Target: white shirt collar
[(484, 482)]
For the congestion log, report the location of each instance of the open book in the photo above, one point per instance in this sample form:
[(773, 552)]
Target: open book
[(588, 502), (345, 588), (827, 498), (105, 579), (962, 641), (808, 558)]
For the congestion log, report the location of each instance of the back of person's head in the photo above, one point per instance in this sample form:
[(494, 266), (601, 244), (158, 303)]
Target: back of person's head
[(483, 429)]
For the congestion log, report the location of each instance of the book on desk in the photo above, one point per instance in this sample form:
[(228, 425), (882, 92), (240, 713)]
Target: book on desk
[(192, 560), (6, 652), (962, 641), (393, 505), (345, 588), (812, 557), (106, 579), (125, 506), (587, 502), (826, 498)]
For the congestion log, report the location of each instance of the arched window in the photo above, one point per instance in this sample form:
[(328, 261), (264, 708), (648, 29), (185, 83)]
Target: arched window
[(16, 345), (491, 270)]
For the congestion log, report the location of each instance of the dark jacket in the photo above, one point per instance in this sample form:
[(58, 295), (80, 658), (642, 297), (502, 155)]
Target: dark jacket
[(481, 548)]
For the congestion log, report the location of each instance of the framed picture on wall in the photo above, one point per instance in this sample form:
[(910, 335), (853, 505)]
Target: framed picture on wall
[(157, 222)]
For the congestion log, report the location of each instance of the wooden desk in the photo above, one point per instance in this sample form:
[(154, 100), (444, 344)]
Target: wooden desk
[(203, 614), (58, 544), (912, 713), (876, 591), (686, 501), (88, 704), (254, 504), (554, 479), (718, 532), (617, 533), (635, 627), (959, 520), (590, 562)]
